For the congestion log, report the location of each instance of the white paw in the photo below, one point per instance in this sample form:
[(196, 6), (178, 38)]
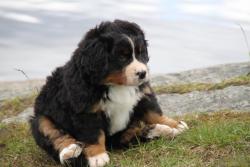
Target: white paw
[(166, 131), (159, 130), (99, 160), (181, 127), (72, 151)]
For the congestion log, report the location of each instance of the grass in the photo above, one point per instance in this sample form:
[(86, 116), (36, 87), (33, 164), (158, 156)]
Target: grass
[(214, 139), (185, 88), (12, 107), (17, 148)]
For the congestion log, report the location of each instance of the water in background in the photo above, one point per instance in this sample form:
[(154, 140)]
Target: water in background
[(38, 35)]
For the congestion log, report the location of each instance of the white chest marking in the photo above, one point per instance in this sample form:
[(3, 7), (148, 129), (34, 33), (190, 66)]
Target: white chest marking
[(119, 107)]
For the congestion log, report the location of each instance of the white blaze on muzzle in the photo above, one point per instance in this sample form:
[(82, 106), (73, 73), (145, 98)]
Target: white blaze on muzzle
[(134, 68)]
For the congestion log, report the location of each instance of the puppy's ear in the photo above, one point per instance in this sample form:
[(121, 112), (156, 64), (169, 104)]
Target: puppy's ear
[(108, 41), (85, 70), (94, 57)]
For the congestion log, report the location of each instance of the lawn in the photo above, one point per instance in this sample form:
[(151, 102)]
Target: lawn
[(214, 139)]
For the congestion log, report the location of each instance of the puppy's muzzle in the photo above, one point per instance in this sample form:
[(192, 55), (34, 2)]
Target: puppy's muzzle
[(136, 73)]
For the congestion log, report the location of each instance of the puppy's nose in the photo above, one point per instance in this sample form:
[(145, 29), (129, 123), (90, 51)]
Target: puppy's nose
[(141, 74)]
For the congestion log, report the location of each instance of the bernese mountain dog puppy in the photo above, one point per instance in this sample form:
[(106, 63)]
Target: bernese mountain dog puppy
[(100, 99)]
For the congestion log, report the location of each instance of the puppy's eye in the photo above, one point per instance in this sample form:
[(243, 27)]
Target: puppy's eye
[(124, 54)]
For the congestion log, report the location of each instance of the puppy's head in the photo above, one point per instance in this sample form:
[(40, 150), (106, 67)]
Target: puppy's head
[(115, 53)]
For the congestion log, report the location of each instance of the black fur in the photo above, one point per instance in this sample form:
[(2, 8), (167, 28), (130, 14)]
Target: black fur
[(71, 91)]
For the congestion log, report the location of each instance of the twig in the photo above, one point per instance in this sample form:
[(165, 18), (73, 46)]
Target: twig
[(245, 38), (26, 76), (22, 73)]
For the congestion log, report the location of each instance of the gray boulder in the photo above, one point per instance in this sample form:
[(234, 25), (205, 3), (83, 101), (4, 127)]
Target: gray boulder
[(231, 98), (213, 74), (20, 118)]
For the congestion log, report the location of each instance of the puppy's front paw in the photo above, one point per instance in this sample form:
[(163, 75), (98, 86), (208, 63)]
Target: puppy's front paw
[(99, 160), (72, 151), (157, 130), (181, 127)]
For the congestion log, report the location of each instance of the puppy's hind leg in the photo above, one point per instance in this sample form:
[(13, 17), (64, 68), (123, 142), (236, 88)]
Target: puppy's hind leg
[(59, 145)]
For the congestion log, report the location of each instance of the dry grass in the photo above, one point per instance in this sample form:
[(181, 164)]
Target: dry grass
[(185, 88), (12, 107)]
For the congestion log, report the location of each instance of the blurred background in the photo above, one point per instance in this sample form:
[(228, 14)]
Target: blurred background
[(39, 35)]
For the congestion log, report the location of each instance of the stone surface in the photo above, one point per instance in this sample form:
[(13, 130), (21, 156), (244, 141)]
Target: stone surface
[(20, 118), (19, 88), (233, 98), (206, 75)]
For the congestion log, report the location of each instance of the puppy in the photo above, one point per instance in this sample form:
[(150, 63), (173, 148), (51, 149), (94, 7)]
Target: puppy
[(101, 98)]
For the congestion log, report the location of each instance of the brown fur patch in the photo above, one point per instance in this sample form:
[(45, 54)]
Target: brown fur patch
[(95, 149), (147, 90), (49, 130), (96, 108), (64, 141), (132, 131), (155, 118), (116, 78)]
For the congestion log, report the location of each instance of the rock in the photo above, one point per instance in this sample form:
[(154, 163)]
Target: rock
[(232, 98), (12, 89), (206, 75), (20, 118)]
